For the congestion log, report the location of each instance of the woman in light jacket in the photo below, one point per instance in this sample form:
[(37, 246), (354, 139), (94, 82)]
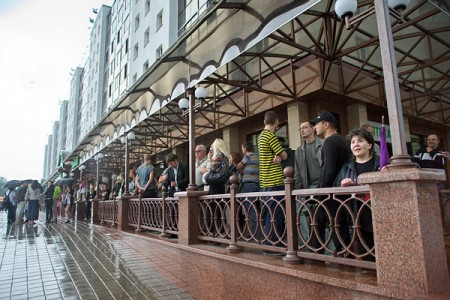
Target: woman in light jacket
[(33, 193)]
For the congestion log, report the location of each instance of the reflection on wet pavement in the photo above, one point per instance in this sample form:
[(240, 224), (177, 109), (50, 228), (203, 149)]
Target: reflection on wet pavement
[(80, 261)]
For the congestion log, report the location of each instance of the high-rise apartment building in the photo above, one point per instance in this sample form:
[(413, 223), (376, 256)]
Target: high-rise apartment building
[(74, 110), (95, 77), (154, 28), (54, 149), (62, 130)]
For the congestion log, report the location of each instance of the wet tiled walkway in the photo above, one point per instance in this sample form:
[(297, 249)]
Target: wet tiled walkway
[(80, 261)]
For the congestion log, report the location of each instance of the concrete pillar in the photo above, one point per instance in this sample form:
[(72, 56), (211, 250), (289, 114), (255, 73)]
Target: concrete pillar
[(356, 115), (409, 241), (297, 113), (231, 138)]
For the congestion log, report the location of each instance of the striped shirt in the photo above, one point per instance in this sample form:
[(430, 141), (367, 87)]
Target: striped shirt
[(270, 174), (251, 170)]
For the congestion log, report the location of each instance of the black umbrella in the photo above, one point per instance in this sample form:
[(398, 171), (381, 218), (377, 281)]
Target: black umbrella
[(66, 181), (11, 184)]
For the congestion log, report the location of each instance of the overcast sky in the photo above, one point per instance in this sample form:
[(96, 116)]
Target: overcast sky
[(40, 41)]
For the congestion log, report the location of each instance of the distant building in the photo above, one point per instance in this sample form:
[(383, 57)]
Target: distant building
[(74, 110)]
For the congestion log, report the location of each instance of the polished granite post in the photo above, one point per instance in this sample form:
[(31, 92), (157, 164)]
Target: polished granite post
[(408, 233), (80, 210), (188, 209), (94, 210), (122, 212)]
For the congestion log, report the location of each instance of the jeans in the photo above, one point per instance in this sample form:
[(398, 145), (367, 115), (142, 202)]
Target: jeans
[(11, 213), (251, 206), (87, 209), (48, 209), (269, 209)]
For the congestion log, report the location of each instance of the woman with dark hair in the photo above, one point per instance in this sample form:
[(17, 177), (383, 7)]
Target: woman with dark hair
[(33, 193), (364, 160)]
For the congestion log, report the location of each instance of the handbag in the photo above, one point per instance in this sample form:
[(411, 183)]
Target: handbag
[(218, 176)]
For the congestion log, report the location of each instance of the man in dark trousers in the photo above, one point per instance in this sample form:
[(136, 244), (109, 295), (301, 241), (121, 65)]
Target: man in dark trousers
[(49, 201), (335, 154), (20, 200)]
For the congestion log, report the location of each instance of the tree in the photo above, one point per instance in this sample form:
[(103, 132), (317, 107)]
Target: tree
[(2, 190)]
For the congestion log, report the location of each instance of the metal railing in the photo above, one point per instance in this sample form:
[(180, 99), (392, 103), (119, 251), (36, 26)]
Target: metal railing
[(329, 224), (107, 212), (155, 214)]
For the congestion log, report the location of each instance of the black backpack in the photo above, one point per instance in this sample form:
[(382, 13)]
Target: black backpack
[(7, 202)]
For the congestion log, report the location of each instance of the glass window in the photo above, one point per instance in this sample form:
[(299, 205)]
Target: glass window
[(146, 36), (159, 20), (136, 51), (136, 22), (147, 6), (159, 52)]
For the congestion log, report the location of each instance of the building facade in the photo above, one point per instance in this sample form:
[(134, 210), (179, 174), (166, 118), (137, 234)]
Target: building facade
[(74, 110)]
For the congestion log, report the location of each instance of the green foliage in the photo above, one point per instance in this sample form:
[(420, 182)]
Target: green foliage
[(2, 190)]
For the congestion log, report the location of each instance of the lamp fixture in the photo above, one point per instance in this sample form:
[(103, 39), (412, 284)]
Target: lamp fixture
[(183, 103), (200, 93), (82, 167), (346, 10), (123, 139), (72, 174), (398, 4), (131, 135), (100, 155)]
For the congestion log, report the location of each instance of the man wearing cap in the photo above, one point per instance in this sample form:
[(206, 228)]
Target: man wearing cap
[(335, 154)]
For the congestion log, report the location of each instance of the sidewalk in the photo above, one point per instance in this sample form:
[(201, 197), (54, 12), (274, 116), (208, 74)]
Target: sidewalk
[(81, 261)]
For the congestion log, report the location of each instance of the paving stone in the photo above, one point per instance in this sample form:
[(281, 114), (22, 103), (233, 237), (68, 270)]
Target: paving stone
[(57, 261)]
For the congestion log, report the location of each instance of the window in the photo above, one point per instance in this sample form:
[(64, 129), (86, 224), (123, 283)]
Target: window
[(145, 67), (159, 20), (159, 52), (134, 77), (147, 6), (112, 47), (146, 36), (109, 90), (126, 46), (118, 36), (136, 22), (136, 51), (125, 71)]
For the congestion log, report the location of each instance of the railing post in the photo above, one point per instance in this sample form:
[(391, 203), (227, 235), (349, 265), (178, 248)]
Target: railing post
[(233, 247), (122, 212), (291, 224), (139, 220), (188, 209), (102, 221), (94, 212), (114, 224), (409, 241), (80, 210), (164, 213)]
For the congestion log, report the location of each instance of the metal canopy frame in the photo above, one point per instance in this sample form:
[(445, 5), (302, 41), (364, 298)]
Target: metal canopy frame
[(422, 51)]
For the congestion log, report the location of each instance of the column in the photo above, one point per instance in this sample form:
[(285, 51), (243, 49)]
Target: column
[(297, 113), (409, 241), (356, 115), (231, 138)]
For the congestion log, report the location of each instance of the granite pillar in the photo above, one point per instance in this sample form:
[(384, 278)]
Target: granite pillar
[(356, 115), (231, 138), (80, 210), (408, 233), (188, 210), (122, 212), (94, 208), (297, 113)]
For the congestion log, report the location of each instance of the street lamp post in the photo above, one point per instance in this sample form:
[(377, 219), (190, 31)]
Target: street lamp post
[(184, 103), (346, 10), (126, 140), (99, 157)]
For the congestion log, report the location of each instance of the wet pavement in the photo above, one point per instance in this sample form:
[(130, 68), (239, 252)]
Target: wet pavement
[(81, 261)]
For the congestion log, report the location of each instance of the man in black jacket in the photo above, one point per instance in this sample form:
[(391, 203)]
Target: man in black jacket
[(335, 154), (177, 175)]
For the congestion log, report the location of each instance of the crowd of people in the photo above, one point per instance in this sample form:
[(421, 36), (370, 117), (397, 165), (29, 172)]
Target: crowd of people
[(324, 159)]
